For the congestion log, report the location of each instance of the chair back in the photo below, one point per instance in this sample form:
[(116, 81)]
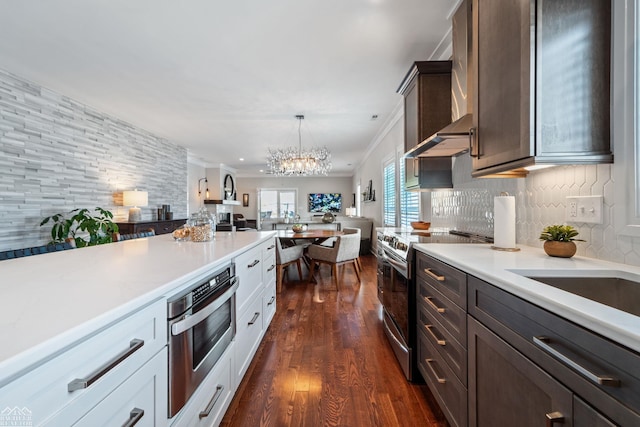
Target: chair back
[(38, 250), (348, 245), (287, 254)]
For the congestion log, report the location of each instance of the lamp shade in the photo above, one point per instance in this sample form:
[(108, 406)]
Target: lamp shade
[(135, 198), (350, 211)]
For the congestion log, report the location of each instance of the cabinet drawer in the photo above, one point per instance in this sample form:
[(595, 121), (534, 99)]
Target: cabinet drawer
[(103, 361), (248, 336), (450, 393), (572, 354), (454, 353), (208, 404), (142, 397), (448, 280), (249, 272), (269, 305), (268, 262), (443, 310)]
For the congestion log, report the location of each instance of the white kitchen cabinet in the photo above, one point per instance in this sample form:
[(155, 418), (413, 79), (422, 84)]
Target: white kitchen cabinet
[(249, 333), (208, 404), (269, 280), (63, 389), (269, 305), (249, 273), (141, 400)]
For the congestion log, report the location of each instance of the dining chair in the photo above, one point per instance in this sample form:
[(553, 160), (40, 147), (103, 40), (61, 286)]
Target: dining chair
[(345, 251), (285, 256)]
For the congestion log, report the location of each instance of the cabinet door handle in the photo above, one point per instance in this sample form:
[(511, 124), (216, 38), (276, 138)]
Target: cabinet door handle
[(434, 275), (438, 340), (473, 151), (433, 305), (271, 268), (271, 247), (433, 371), (554, 417), (80, 383), (253, 320), (545, 344), (212, 402), (271, 301), (254, 263), (135, 415)]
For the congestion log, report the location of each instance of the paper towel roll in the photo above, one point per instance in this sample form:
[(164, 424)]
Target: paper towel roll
[(504, 222)]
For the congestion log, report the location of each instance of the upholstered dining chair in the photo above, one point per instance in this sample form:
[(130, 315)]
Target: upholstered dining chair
[(346, 250), (285, 256)]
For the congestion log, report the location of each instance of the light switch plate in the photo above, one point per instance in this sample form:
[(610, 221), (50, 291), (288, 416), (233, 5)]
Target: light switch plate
[(585, 209)]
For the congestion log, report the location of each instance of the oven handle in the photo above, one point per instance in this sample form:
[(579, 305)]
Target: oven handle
[(191, 320), (397, 265)]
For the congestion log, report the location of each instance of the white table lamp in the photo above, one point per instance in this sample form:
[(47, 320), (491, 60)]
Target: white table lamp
[(136, 199)]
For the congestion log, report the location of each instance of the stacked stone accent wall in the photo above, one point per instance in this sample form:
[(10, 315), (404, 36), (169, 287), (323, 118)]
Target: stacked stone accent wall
[(57, 154)]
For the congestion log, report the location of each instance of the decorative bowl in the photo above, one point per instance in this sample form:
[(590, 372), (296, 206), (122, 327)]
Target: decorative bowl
[(299, 227), (420, 225)]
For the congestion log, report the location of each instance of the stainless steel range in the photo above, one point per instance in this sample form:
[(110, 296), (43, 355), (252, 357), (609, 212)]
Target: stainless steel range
[(397, 288)]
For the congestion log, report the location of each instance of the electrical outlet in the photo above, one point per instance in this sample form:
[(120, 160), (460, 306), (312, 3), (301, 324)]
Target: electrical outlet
[(585, 209)]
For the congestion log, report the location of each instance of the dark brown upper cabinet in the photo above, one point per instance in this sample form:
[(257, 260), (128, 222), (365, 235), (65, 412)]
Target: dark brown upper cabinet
[(542, 84), (427, 109)]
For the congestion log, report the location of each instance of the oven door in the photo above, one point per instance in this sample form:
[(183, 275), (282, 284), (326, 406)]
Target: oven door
[(197, 339), (394, 288)]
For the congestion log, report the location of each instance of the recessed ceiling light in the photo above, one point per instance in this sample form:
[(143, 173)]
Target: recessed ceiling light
[(261, 170), (241, 159)]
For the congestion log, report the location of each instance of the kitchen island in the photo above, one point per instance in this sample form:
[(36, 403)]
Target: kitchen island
[(491, 330), (54, 304)]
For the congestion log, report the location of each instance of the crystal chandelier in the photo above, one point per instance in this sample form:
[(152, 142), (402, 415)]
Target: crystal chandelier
[(292, 161)]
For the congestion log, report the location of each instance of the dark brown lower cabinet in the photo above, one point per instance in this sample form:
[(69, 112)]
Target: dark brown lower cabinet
[(530, 367), (507, 389)]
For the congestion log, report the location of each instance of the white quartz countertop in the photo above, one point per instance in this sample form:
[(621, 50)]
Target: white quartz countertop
[(506, 270), (49, 301)]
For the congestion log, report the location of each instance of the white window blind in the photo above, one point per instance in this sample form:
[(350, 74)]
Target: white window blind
[(409, 201), (389, 205)]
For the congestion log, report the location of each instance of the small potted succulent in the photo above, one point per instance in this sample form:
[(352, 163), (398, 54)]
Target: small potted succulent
[(559, 240)]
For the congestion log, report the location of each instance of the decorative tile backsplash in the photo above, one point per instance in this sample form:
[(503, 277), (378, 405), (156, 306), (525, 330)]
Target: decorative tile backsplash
[(57, 155), (540, 201)]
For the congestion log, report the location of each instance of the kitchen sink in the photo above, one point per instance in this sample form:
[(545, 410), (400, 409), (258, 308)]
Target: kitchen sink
[(615, 289)]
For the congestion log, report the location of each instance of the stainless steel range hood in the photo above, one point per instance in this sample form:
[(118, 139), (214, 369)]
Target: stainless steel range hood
[(453, 139)]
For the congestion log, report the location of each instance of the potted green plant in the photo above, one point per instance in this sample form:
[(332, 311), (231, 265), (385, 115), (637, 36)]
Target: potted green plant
[(559, 240), (79, 224)]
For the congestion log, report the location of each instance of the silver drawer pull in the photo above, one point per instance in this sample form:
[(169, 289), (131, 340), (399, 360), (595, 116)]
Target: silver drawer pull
[(254, 263), (80, 383), (545, 344), (253, 320), (212, 402), (271, 301), (429, 301), (271, 268), (135, 415), (554, 417), (434, 275), (438, 340), (271, 247), (440, 380)]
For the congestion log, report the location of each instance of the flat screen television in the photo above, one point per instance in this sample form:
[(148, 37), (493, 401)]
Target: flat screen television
[(321, 202)]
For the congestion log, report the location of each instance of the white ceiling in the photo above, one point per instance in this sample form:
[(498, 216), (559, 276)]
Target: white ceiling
[(225, 79)]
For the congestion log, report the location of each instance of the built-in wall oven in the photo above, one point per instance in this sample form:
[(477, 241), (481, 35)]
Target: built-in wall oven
[(202, 324), (397, 286)]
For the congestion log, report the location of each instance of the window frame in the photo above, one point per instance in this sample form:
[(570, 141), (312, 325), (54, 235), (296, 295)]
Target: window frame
[(390, 161), (278, 191), (625, 111)]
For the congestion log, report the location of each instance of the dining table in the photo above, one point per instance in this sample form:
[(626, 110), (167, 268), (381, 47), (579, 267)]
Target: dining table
[(289, 237)]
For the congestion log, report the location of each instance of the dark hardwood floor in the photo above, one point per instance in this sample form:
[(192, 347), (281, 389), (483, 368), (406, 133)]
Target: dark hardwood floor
[(325, 361)]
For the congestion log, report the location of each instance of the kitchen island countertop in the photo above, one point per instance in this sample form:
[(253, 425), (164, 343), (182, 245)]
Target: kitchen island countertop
[(52, 300), (500, 269)]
